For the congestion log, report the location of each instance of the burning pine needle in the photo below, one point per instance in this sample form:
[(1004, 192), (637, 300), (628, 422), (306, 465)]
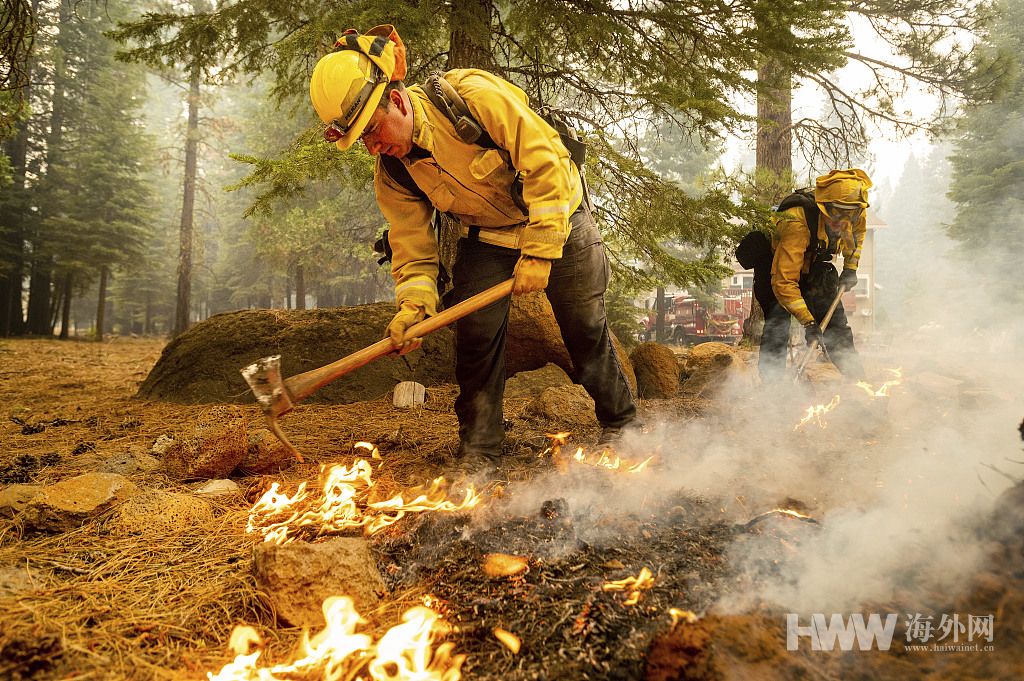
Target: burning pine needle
[(343, 505), (606, 458), (678, 616), (634, 585), (883, 391), (404, 653), (817, 413)]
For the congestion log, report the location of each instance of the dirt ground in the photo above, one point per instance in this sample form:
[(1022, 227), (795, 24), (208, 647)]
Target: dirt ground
[(88, 605)]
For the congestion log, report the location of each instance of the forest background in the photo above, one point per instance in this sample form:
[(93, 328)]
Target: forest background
[(160, 161)]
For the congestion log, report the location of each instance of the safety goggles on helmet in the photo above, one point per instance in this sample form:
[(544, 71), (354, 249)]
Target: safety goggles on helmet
[(339, 127), (844, 212)]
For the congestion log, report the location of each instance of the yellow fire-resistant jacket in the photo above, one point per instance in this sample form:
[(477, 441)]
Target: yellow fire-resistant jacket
[(474, 183), (793, 256)]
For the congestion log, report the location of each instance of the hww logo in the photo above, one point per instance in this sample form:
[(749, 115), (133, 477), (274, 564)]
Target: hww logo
[(824, 636)]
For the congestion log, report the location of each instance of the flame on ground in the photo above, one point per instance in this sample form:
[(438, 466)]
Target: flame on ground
[(883, 391), (605, 458), (404, 653), (634, 585), (817, 413), (343, 505), (678, 615)]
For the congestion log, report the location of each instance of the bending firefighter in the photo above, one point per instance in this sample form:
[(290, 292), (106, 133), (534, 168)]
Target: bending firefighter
[(794, 275), (468, 144)]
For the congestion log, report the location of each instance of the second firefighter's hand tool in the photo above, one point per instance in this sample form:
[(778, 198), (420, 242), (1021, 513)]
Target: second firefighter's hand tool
[(277, 396), (814, 343)]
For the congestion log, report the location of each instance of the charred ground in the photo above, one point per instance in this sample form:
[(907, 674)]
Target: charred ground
[(88, 605)]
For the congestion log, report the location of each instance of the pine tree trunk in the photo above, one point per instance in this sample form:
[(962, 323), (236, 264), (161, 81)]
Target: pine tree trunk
[(147, 326), (469, 46), (183, 306), (469, 36), (101, 305), (40, 294), (55, 307), (300, 287), (65, 314), (659, 315), (774, 154)]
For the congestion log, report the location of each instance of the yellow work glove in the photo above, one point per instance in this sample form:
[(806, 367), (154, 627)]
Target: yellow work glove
[(531, 274), (409, 313)]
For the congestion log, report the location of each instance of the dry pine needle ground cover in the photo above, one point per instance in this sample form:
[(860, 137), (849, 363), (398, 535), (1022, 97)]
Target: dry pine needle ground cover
[(89, 605)]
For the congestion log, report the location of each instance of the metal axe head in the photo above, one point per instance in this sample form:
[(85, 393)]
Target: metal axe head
[(264, 377)]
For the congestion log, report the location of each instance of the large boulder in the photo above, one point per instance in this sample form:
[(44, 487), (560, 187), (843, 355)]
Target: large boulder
[(534, 339), (202, 365)]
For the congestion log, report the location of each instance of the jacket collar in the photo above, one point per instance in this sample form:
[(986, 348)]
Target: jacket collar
[(422, 130)]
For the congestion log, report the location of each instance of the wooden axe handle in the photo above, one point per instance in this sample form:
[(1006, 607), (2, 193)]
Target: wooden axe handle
[(302, 385)]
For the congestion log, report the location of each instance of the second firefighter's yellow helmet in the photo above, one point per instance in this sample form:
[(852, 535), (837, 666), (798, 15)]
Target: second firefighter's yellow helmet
[(846, 187)]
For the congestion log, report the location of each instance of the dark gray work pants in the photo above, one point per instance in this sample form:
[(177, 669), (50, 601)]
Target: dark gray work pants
[(576, 291), (818, 288)]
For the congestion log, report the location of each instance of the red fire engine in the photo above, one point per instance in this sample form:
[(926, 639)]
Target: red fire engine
[(688, 321)]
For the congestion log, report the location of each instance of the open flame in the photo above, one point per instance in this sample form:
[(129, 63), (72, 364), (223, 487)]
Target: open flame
[(343, 505), (634, 585), (883, 391), (817, 413), (404, 653), (605, 458), (679, 615)]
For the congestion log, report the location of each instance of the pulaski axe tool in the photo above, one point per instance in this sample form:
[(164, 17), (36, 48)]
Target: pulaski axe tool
[(278, 396), (814, 343)]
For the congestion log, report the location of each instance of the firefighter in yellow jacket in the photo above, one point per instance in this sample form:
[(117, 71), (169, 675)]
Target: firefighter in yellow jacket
[(546, 238), (803, 280)]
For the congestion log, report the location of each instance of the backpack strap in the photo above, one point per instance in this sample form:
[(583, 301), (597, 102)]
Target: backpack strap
[(397, 171), (442, 95), (400, 174), (804, 198)]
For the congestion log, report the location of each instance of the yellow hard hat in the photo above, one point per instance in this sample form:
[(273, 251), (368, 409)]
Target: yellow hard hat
[(847, 187), (347, 84)]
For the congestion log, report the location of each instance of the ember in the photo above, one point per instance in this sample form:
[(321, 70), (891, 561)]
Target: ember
[(508, 639), (778, 513), (504, 565), (403, 653), (279, 518)]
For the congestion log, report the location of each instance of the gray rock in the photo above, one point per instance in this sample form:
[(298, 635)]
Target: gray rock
[(217, 488), (158, 512), (131, 462), (66, 505), (533, 383), (297, 578), (14, 498)]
